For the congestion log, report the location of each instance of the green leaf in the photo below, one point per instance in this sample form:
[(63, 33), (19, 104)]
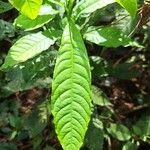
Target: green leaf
[(58, 2), (19, 78), (126, 25), (129, 5), (29, 8), (15, 121), (99, 98), (49, 148), (7, 30), (46, 14), (142, 126), (107, 36), (8, 146), (71, 96), (99, 66), (27, 47), (129, 146), (89, 6), (33, 125), (4, 7), (94, 137), (119, 132)]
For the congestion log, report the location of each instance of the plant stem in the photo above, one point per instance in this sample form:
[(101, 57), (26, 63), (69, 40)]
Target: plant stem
[(70, 6)]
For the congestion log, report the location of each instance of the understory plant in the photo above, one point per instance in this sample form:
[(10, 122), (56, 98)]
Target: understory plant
[(45, 22)]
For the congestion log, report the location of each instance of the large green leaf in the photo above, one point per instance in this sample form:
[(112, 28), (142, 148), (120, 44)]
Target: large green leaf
[(71, 94), (27, 47), (107, 36), (29, 8), (129, 5), (89, 6), (46, 14)]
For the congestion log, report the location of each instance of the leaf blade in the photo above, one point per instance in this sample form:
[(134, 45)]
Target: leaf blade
[(129, 5), (107, 36), (4, 7), (119, 131), (29, 8), (29, 24), (71, 90), (27, 47), (89, 6)]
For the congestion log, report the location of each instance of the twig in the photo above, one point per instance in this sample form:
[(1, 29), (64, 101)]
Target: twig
[(137, 108)]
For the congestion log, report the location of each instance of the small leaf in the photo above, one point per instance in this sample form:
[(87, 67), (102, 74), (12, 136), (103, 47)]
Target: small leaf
[(7, 30), (27, 47), (29, 8), (19, 78), (4, 7), (8, 146), (33, 124), (89, 6), (46, 14), (71, 95), (119, 132), (107, 36), (142, 126), (99, 66), (129, 5), (48, 148), (129, 146), (94, 137), (99, 98), (15, 121)]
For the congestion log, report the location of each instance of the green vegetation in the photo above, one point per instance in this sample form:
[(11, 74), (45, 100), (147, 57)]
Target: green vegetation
[(74, 75)]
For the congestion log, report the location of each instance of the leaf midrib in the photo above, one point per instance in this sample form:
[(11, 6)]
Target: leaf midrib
[(72, 72)]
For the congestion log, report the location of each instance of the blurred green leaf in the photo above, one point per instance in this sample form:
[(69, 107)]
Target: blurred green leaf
[(28, 47), (36, 142), (119, 132), (130, 146), (142, 127), (4, 6), (6, 30), (129, 5), (94, 137), (15, 121), (99, 98), (33, 73), (107, 36), (13, 135), (29, 8), (34, 125), (46, 14), (124, 21), (8, 146), (44, 111), (99, 66)]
